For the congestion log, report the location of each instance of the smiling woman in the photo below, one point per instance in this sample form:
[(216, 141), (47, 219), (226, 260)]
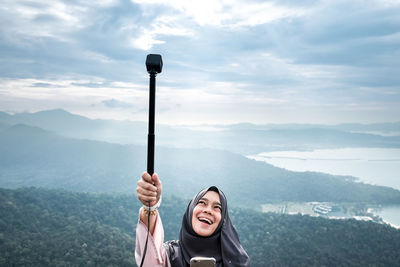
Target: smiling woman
[(206, 230), (207, 213)]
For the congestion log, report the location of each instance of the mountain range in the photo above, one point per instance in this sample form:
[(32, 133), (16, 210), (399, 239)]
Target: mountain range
[(244, 138), (32, 156)]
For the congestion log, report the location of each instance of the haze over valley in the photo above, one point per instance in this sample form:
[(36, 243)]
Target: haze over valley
[(57, 149)]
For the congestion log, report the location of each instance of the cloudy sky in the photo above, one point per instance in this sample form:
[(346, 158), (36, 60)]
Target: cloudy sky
[(228, 61)]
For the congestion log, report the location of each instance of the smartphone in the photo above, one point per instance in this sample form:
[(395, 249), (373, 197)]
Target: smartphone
[(202, 262)]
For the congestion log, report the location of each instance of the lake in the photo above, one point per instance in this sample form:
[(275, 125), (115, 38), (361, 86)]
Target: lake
[(377, 166), (390, 214)]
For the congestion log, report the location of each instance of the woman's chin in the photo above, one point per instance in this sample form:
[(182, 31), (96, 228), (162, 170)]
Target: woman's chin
[(203, 229)]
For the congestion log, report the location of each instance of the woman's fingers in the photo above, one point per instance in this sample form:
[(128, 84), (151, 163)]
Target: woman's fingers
[(146, 177), (157, 183), (146, 196), (145, 192), (146, 185), (146, 199), (149, 189)]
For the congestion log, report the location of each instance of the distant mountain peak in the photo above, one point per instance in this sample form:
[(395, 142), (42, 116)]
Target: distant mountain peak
[(25, 129), (56, 112)]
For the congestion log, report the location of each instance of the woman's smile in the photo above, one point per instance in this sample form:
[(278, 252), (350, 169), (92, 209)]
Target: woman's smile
[(205, 220)]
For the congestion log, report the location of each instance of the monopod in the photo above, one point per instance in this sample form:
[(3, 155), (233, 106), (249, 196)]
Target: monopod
[(154, 66)]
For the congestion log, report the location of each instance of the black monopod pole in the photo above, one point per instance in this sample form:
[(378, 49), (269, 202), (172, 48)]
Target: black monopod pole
[(154, 66)]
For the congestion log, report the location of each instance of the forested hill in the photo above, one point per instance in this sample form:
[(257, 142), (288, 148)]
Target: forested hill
[(40, 227), (31, 156)]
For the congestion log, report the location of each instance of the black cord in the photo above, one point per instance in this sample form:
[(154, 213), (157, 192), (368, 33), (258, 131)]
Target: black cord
[(147, 238)]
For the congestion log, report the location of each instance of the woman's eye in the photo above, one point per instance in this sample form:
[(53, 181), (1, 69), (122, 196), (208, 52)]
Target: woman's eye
[(218, 207)]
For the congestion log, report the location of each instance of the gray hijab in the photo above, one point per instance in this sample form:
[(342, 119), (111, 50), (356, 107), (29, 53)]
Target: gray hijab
[(223, 244)]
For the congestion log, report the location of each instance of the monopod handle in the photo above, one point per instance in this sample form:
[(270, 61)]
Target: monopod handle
[(150, 154)]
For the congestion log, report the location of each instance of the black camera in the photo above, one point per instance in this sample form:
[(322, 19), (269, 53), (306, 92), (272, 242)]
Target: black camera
[(154, 63)]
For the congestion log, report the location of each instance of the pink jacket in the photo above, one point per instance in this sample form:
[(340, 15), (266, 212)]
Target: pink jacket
[(156, 254)]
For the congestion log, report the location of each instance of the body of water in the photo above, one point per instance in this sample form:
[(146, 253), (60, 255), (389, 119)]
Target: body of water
[(378, 166), (390, 214)]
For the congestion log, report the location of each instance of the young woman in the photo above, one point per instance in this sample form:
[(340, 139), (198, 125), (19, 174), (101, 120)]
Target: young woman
[(206, 229)]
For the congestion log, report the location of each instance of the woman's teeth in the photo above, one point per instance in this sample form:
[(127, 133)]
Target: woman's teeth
[(205, 220)]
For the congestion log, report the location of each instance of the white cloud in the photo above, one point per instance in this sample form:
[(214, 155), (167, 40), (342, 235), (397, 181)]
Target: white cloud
[(162, 26), (114, 103), (68, 94), (41, 19), (226, 60), (146, 41), (226, 13)]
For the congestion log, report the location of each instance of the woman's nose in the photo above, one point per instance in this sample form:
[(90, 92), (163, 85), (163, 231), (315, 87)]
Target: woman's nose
[(208, 209)]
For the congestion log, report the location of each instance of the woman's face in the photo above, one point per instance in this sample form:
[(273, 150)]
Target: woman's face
[(207, 214)]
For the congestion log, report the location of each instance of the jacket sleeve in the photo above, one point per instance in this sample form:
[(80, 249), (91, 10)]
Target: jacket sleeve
[(156, 254)]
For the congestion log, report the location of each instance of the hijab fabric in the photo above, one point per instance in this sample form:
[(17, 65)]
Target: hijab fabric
[(223, 244)]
